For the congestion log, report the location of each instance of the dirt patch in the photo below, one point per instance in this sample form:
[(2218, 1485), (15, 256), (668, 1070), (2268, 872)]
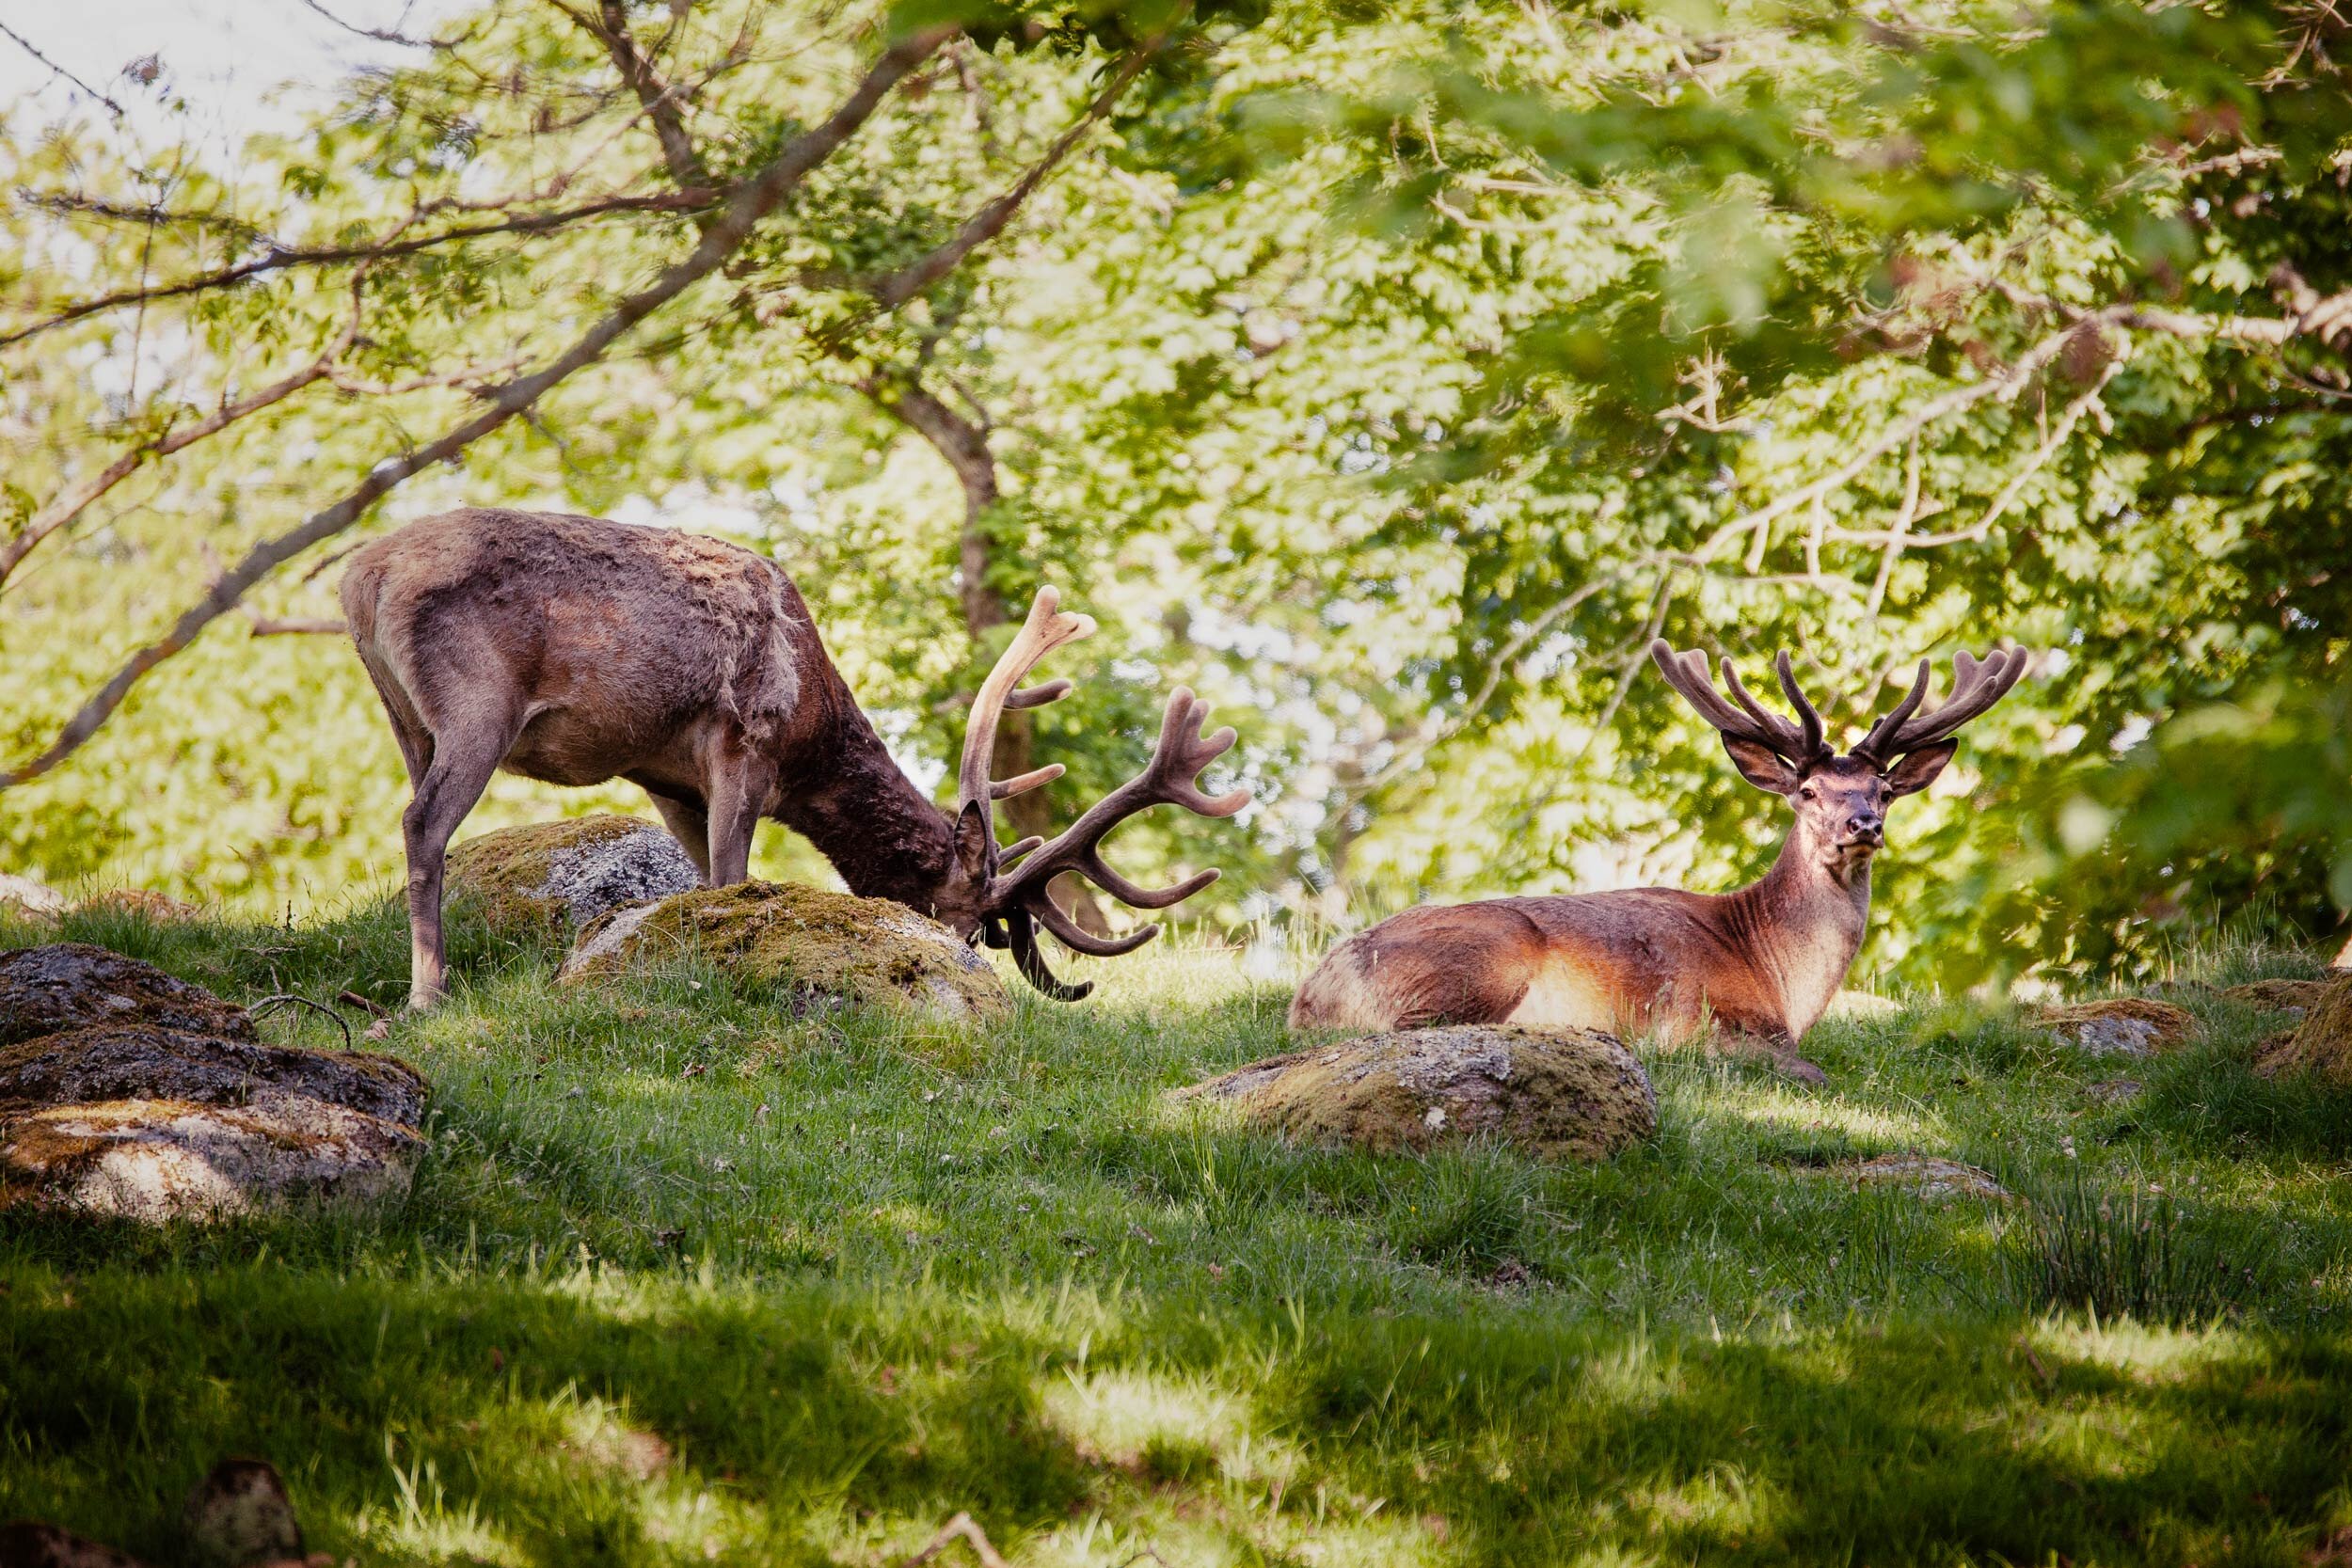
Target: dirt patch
[(1568, 1094), (2118, 1026), (821, 950), (67, 985), (561, 875)]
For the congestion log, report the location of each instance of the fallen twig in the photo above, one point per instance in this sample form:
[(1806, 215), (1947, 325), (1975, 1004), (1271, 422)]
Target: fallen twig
[(960, 1527), (268, 1002)]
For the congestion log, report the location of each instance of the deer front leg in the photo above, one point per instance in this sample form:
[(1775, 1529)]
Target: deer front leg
[(737, 792), (452, 783)]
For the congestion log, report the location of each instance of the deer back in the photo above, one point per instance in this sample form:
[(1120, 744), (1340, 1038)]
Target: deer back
[(621, 634)]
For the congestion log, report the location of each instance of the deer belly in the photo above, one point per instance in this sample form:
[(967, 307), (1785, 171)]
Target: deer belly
[(1566, 995)]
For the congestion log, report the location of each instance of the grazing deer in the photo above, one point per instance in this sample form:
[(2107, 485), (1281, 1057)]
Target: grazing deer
[(573, 650), (1763, 962)]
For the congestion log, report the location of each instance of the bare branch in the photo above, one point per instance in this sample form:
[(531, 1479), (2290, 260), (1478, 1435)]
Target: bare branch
[(747, 204), (985, 224), (960, 1527), (278, 258), (59, 70), (73, 503), (296, 625)]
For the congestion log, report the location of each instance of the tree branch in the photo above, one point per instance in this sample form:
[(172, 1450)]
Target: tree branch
[(748, 203), (73, 503), (280, 259), (985, 225)]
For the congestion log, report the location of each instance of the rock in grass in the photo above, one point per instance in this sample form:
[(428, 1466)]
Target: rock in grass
[(170, 1110), (560, 876), (1926, 1176), (24, 1545), (2295, 997), (69, 984), (2113, 1091), (1567, 1094), (29, 898), (157, 1160), (821, 951), (239, 1516), (2321, 1045), (141, 1061), (2118, 1026)]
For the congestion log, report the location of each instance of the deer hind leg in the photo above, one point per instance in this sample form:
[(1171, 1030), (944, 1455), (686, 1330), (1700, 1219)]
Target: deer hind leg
[(690, 824), (462, 763)]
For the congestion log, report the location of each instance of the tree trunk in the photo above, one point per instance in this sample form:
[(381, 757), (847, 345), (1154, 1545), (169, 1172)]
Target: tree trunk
[(965, 444)]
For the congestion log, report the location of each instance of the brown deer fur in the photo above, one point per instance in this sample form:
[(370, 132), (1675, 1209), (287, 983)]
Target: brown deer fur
[(1762, 963), (575, 650)]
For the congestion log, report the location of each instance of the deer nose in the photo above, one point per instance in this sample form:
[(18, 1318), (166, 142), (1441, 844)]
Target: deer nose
[(1867, 826)]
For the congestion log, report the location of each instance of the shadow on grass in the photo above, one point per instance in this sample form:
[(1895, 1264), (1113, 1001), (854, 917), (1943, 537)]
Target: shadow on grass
[(555, 1417)]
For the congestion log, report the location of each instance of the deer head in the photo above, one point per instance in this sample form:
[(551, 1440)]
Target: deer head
[(998, 893), (1840, 801)]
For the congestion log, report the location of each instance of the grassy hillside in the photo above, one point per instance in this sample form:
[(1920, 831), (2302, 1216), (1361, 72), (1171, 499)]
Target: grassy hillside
[(681, 1282)]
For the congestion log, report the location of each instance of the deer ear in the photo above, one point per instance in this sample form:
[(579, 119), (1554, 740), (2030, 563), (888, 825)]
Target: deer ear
[(1762, 766), (1918, 771), (972, 840)]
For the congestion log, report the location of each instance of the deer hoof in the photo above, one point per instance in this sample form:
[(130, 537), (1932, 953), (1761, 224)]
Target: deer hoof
[(1793, 1066)]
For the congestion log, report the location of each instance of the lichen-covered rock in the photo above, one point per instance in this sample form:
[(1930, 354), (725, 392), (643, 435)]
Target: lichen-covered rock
[(1925, 1175), (2118, 1026), (821, 950), (169, 1108), (69, 984), (160, 1160), (560, 876), (2321, 1045), (2295, 997), (142, 1061), (1567, 1094)]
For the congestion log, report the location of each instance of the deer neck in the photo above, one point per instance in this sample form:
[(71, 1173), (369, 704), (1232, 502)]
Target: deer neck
[(843, 791), (1802, 923)]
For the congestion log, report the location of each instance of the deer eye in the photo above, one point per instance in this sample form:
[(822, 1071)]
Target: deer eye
[(1807, 793)]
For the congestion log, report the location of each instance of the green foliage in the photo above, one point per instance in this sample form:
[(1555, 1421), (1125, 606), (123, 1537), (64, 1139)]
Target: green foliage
[(1391, 374)]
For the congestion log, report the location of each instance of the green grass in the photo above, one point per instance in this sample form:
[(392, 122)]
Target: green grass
[(684, 1281)]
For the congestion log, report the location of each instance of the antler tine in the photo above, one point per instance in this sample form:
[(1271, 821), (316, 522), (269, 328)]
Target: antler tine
[(1806, 713), (1799, 746), (1687, 672), (1976, 685), (1872, 746), (1168, 779), (1045, 629)]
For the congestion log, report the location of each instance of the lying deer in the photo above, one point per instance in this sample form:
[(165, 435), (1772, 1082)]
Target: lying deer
[(1762, 963), (575, 651)]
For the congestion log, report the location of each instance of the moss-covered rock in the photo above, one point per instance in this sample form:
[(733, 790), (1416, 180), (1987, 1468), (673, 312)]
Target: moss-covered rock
[(2321, 1045), (2118, 1026), (561, 875), (1564, 1094), (820, 950), (67, 985)]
